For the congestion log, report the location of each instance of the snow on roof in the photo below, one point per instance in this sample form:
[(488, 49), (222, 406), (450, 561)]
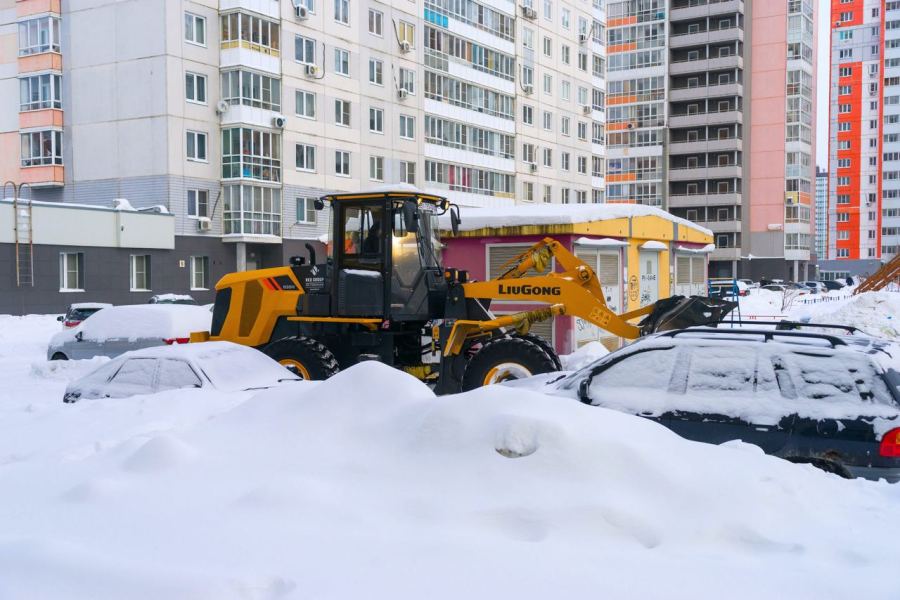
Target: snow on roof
[(97, 305), (654, 245), (117, 204), (172, 297), (138, 321), (558, 214)]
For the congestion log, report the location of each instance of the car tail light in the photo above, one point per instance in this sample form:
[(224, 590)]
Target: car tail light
[(71, 323), (170, 341), (890, 444)]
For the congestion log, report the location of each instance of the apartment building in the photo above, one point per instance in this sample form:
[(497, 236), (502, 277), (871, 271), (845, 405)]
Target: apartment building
[(864, 145), (821, 213), (710, 117), (233, 115)]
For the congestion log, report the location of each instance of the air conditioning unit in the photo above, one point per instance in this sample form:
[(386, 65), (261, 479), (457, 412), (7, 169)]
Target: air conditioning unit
[(279, 121), (528, 89), (404, 46), (203, 224), (402, 94), (312, 70), (221, 107), (582, 38), (529, 13), (532, 167), (300, 10), (586, 109)]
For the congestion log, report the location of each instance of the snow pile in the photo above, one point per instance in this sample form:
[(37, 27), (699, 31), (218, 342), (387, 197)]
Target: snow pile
[(876, 313), (164, 298), (66, 370), (584, 356), (141, 321), (558, 214)]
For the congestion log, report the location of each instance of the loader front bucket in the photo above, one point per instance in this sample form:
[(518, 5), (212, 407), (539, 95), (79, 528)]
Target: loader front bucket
[(679, 312)]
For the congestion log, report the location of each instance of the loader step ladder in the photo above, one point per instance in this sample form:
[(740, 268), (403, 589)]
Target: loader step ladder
[(887, 274), (24, 246)]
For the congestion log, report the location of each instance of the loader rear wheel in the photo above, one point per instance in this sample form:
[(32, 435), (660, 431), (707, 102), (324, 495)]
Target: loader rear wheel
[(505, 359), (545, 346), (306, 357)]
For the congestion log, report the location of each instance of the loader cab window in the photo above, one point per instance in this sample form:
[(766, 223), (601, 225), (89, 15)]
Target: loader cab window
[(362, 237)]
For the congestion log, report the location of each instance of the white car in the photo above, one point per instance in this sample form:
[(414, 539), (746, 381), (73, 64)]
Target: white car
[(118, 329), (221, 366)]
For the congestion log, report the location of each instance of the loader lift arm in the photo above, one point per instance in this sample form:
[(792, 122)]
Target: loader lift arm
[(576, 291)]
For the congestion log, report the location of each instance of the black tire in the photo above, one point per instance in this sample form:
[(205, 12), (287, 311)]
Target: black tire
[(59, 356), (523, 356), (829, 466), (304, 356), (545, 346)]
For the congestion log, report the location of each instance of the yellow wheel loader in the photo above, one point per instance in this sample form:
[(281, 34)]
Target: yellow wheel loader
[(384, 295)]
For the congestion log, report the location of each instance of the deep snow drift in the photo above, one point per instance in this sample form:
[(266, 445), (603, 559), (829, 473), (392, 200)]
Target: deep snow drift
[(368, 486)]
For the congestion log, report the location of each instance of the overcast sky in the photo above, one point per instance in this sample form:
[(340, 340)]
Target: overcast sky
[(824, 17)]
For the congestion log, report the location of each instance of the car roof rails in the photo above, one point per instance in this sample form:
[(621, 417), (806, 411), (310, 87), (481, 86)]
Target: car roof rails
[(792, 325), (768, 334)]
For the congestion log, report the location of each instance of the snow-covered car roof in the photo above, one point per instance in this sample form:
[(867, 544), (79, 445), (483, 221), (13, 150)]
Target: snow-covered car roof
[(163, 298), (140, 321), (97, 305), (227, 366)]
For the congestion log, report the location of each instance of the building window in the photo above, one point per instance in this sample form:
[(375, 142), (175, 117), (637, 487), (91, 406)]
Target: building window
[(39, 35), (376, 168), (564, 125), (548, 120), (376, 71), (528, 153), (548, 194), (564, 161), (71, 271), (565, 90), (254, 33), (527, 191), (198, 203), (306, 104), (566, 17), (304, 50), (306, 157), (580, 196), (306, 210), (342, 113), (40, 91), (342, 11), (376, 120), (582, 165), (548, 157), (408, 172), (376, 22), (195, 88), (251, 209), (407, 127), (406, 32), (408, 81), (342, 62), (196, 146), (528, 77), (566, 54), (41, 148), (251, 154), (843, 253), (194, 29), (564, 195), (528, 38), (140, 273), (341, 163), (527, 114), (251, 89), (199, 272)]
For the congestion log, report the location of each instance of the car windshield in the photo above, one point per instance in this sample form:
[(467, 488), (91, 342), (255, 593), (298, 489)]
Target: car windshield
[(430, 248), (80, 314)]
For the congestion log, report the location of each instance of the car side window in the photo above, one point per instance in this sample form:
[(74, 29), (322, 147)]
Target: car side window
[(734, 368), (649, 369), (136, 372), (176, 374), (840, 377)]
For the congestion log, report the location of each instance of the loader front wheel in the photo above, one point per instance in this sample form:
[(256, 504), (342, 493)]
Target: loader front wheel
[(304, 356), (505, 359), (545, 346)]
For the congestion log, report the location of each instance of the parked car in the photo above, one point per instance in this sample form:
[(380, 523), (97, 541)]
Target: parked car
[(815, 286), (832, 285), (118, 329), (172, 299), (807, 397), (76, 313), (726, 288), (751, 285), (783, 287), (221, 366)]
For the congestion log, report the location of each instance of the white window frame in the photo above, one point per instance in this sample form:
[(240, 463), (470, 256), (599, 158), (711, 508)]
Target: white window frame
[(47, 138), (408, 172), (342, 12), (376, 17), (197, 77), (307, 150), (407, 122), (305, 102), (190, 25), (377, 115), (308, 211), (304, 45), (27, 84), (376, 168), (64, 283), (407, 81), (197, 136), (203, 271), (376, 69), (342, 59), (341, 157), (133, 273), (198, 193), (339, 106), (37, 28)]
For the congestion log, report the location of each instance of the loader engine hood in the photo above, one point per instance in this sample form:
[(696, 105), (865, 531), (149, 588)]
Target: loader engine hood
[(679, 312)]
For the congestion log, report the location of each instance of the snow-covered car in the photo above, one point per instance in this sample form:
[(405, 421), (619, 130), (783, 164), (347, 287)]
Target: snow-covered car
[(221, 366), (832, 285), (78, 312), (172, 299), (817, 287), (751, 285), (118, 329), (803, 396)]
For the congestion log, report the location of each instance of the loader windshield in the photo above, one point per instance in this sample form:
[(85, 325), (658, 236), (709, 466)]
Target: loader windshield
[(430, 243)]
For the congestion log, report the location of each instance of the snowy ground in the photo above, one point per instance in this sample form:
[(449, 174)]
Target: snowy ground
[(368, 486)]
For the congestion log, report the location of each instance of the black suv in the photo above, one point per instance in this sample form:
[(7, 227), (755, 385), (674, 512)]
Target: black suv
[(808, 397)]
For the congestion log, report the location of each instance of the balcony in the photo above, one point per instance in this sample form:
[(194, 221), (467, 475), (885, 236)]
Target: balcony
[(725, 254), (269, 8), (686, 40), (702, 92), (43, 176), (732, 226), (704, 10), (702, 172), (712, 145), (708, 118), (694, 200)]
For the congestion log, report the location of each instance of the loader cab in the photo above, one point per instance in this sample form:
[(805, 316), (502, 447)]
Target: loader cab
[(386, 252)]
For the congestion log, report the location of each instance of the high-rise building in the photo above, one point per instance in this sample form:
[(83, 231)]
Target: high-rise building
[(864, 145), (821, 213), (202, 106)]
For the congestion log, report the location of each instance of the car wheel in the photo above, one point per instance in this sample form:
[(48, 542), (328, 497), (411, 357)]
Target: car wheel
[(827, 465), (59, 356), (305, 357), (506, 359)]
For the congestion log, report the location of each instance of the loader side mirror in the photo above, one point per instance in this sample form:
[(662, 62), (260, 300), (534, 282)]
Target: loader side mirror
[(318, 204), (411, 216), (454, 219)]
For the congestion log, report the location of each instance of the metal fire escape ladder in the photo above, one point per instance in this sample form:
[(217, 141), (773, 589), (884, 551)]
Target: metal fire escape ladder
[(24, 246)]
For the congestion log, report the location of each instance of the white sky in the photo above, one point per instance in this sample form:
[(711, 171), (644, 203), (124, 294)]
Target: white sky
[(824, 18)]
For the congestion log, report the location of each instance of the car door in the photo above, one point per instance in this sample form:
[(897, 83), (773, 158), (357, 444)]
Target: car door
[(175, 374), (135, 376), (81, 347), (729, 392)]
